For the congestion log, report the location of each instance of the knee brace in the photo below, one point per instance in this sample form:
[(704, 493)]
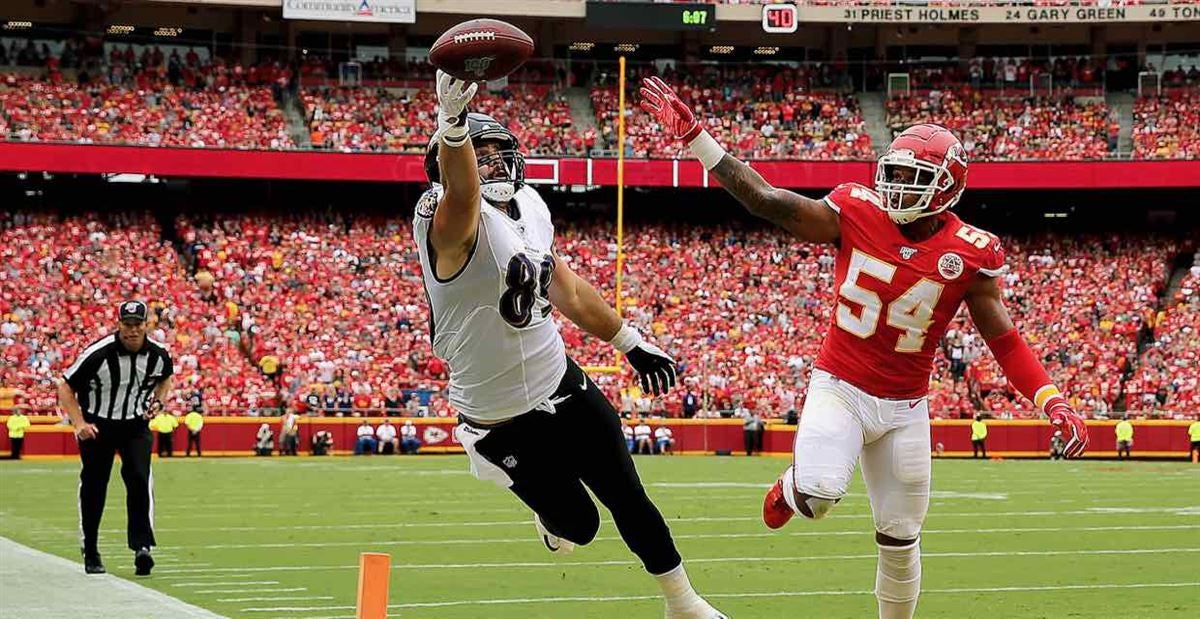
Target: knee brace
[(898, 578), (907, 527)]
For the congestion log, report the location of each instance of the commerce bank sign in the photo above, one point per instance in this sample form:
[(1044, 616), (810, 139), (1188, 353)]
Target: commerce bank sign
[(390, 11)]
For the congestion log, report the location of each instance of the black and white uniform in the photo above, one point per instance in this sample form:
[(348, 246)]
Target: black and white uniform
[(518, 394), (114, 386)]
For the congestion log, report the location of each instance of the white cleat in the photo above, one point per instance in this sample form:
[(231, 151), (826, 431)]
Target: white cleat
[(695, 609), (553, 543)]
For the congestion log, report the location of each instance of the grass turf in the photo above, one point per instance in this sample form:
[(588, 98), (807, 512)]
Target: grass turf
[(270, 538)]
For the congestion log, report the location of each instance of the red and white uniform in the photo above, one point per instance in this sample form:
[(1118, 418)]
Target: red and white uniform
[(866, 400), (896, 296)]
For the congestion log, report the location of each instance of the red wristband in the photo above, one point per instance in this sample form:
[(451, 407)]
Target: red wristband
[(1022, 368)]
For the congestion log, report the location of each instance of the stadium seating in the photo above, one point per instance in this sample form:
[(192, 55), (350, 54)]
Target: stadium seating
[(1166, 378), (340, 303), (358, 119), (1167, 127), (146, 111), (62, 280), (994, 127), (1082, 303), (757, 112), (761, 112)]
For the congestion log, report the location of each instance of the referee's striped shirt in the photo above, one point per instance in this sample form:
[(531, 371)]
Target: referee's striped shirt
[(113, 383)]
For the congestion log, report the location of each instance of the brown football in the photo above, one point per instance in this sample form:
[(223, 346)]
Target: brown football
[(481, 49)]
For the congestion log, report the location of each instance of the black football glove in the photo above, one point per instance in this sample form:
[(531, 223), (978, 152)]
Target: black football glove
[(655, 368)]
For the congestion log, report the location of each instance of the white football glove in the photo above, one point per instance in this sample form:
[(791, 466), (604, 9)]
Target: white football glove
[(453, 96)]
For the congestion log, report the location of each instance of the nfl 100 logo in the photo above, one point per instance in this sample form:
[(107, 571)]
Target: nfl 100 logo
[(478, 66)]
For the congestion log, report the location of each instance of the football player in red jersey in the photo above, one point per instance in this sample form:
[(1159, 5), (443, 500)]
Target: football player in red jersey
[(904, 266)]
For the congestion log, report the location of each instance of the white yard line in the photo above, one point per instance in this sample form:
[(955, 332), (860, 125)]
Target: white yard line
[(515, 540), (764, 594), (847, 515), (278, 599), (622, 562), (244, 591), (872, 556), (232, 583)]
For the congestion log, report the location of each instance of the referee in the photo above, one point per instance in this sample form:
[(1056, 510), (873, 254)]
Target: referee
[(109, 392)]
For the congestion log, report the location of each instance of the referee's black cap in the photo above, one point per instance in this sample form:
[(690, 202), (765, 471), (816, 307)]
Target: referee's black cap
[(132, 310)]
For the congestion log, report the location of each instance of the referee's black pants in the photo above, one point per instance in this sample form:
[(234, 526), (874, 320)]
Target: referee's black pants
[(551, 456), (133, 440), (193, 439)]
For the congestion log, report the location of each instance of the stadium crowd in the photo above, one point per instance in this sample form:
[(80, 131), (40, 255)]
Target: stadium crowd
[(1168, 126), (378, 119), (1166, 376), (180, 97), (325, 314), (756, 112), (994, 127)]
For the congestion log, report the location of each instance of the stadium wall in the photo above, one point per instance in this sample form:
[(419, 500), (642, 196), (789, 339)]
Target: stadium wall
[(234, 436), (391, 167)]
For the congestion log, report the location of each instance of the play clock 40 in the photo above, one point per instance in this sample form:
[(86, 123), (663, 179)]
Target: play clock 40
[(651, 15)]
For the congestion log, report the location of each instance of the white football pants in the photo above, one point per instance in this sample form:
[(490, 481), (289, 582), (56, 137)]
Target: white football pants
[(842, 423)]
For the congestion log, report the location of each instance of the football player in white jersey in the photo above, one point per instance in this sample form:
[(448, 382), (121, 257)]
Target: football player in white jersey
[(486, 243)]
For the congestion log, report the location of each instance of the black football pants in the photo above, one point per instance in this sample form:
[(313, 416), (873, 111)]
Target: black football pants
[(133, 440), (551, 457)]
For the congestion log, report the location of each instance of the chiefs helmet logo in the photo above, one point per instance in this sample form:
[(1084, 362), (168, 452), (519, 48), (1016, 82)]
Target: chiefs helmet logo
[(956, 153), (950, 265), (434, 435)]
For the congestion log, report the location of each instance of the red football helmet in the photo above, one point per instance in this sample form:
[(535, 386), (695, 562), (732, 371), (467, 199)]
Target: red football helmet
[(938, 164)]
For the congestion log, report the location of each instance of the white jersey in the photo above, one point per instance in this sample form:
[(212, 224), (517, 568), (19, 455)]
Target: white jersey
[(491, 321)]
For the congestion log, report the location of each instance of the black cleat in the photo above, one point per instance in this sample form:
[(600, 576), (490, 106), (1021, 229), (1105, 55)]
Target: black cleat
[(92, 563), (143, 562)]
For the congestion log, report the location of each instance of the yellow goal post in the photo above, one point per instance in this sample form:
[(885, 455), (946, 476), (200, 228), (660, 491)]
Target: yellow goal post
[(616, 366)]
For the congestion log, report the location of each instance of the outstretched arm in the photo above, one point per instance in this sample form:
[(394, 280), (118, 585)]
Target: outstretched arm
[(578, 300), (456, 220), (1020, 365), (805, 218)]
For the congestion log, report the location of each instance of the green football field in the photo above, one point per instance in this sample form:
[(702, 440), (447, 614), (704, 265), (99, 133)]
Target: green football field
[(269, 538)]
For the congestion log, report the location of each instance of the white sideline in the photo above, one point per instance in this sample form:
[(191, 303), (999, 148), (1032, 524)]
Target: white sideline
[(32, 584), (623, 562), (516, 540), (764, 594)]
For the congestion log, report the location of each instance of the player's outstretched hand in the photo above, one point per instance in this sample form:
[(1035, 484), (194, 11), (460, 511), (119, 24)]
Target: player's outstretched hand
[(655, 368), (660, 101), (1073, 428), (453, 96)]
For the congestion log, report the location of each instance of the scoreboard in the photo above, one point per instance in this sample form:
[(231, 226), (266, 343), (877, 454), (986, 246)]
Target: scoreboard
[(779, 18), (651, 16)]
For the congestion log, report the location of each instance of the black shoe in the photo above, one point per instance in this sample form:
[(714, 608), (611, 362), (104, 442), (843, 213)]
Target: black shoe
[(92, 563), (143, 562)]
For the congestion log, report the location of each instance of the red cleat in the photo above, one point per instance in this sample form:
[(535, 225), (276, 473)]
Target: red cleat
[(776, 511)]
